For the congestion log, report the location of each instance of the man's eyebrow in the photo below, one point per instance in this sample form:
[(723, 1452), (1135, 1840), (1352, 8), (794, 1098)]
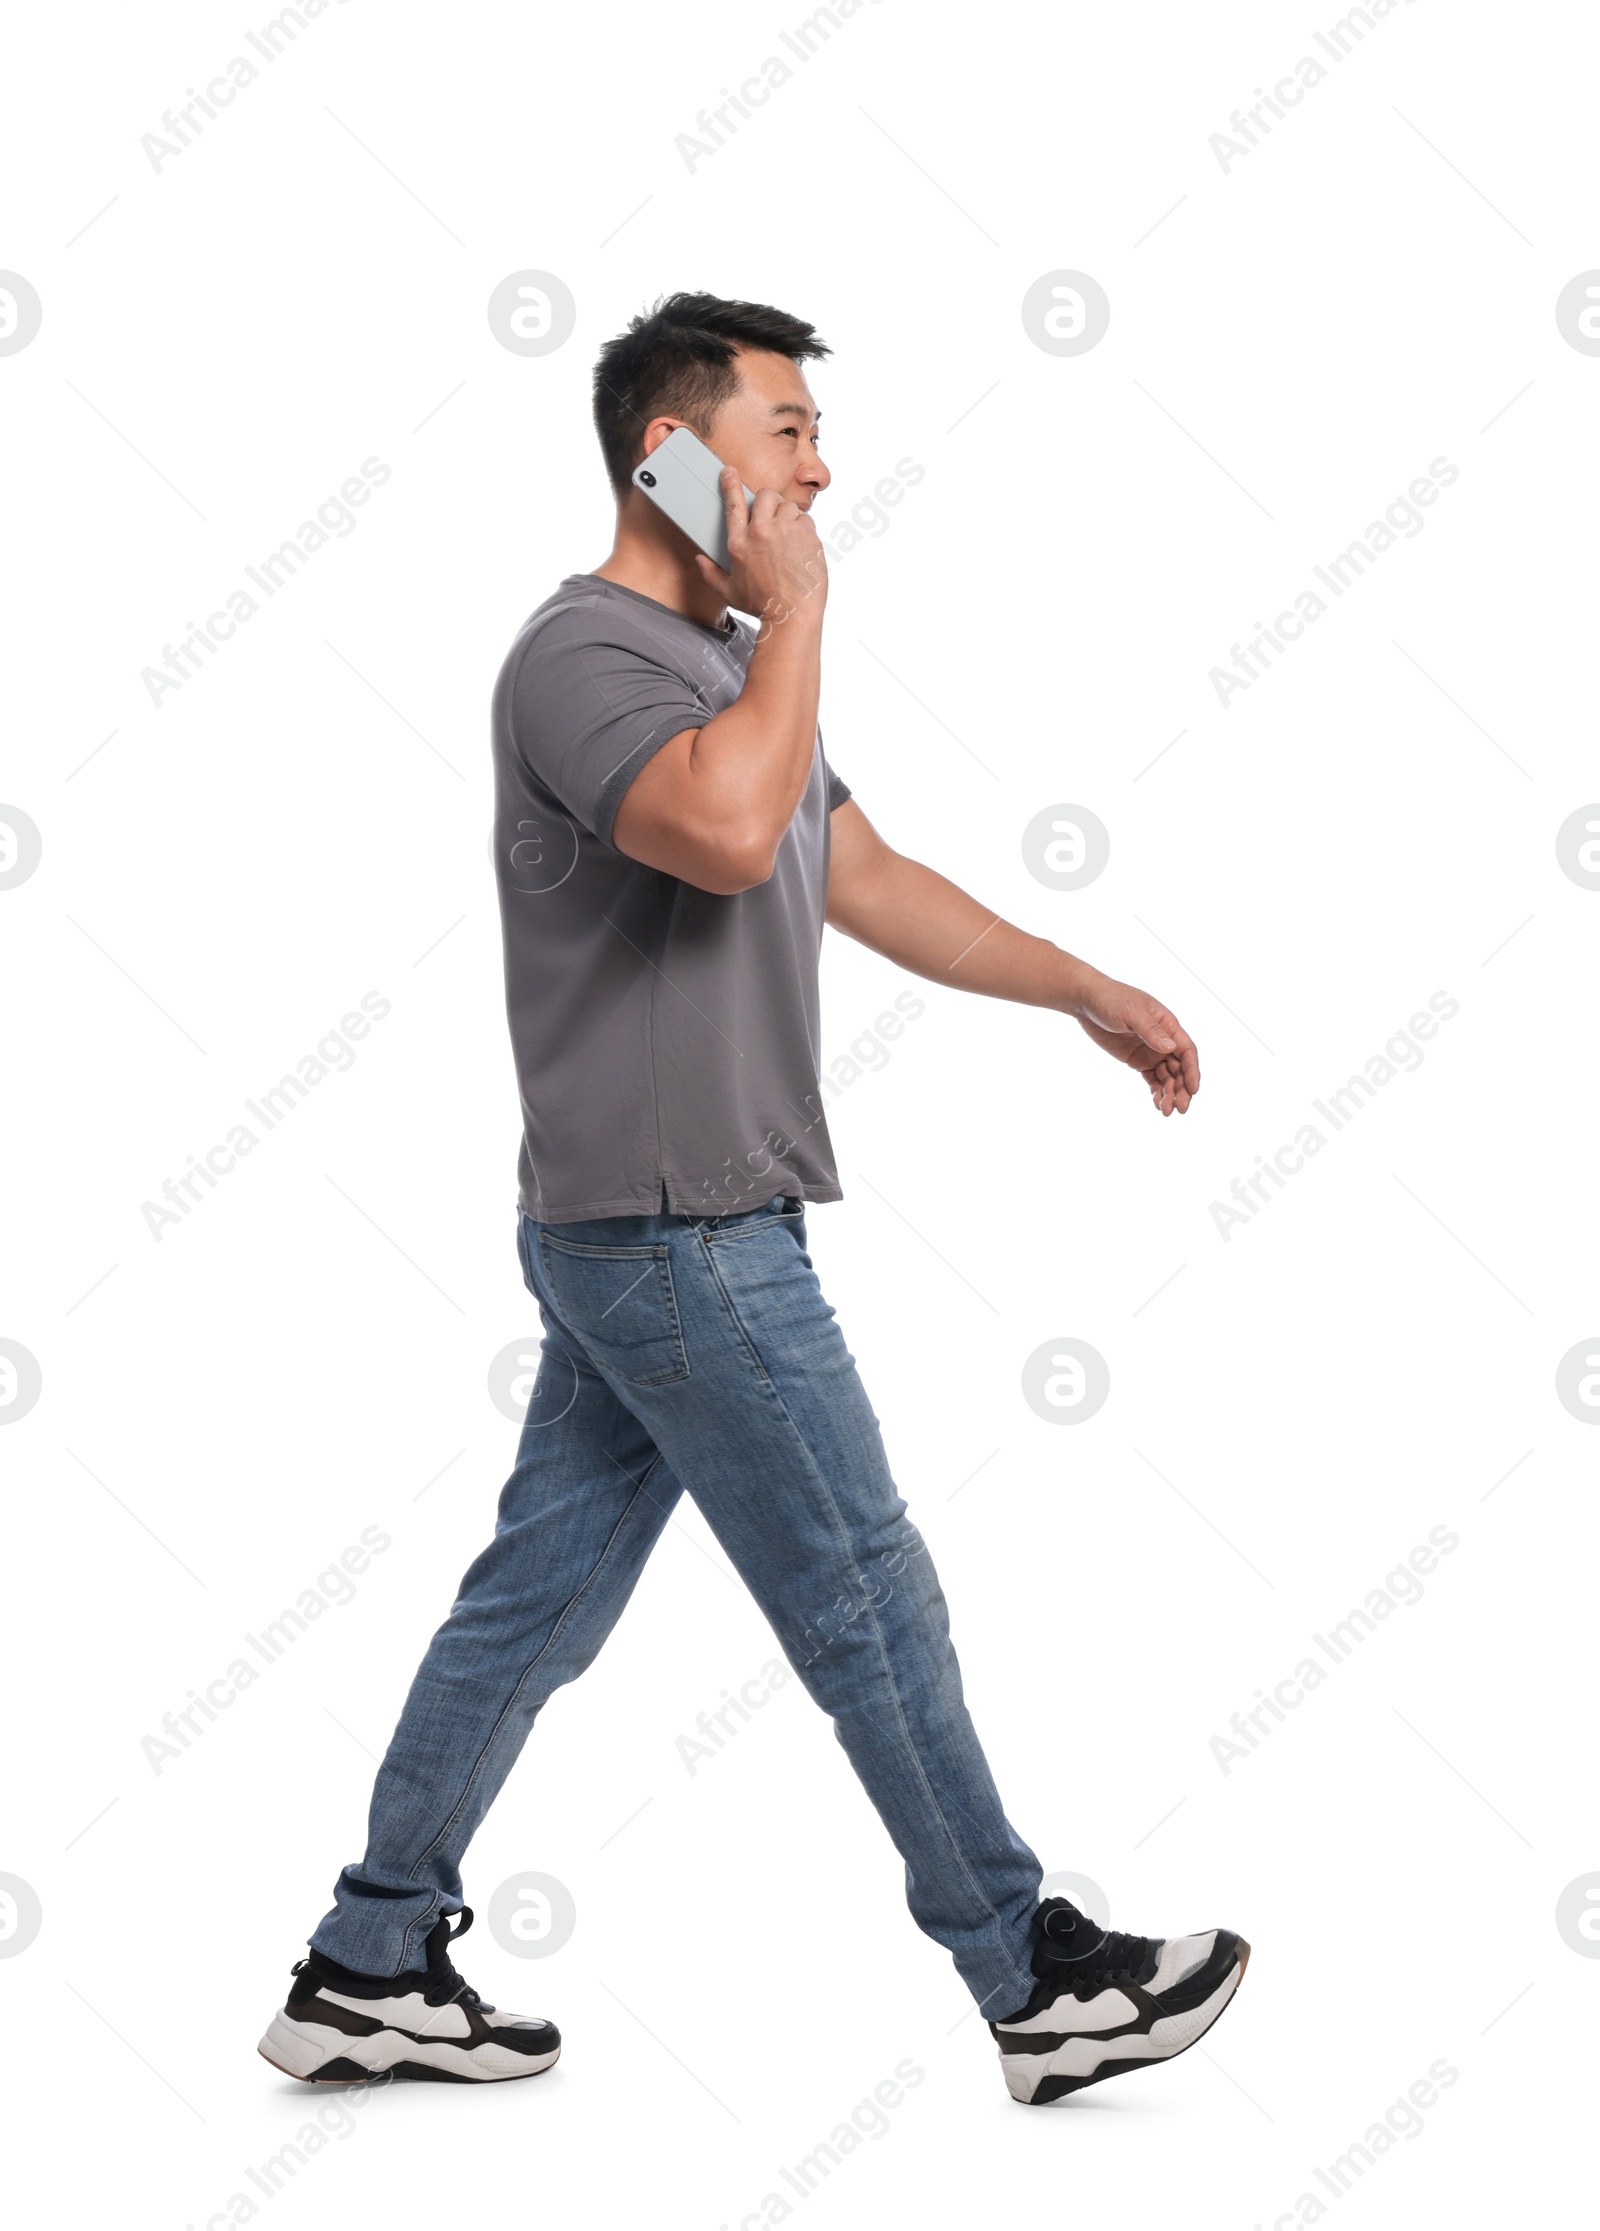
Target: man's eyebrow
[(793, 410)]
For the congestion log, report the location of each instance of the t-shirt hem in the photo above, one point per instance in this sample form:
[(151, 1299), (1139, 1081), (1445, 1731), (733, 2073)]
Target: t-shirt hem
[(585, 1212)]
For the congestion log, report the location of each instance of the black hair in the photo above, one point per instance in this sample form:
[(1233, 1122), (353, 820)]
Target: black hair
[(677, 358)]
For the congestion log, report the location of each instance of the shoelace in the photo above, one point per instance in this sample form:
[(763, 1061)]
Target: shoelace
[(1118, 1957), (444, 1986)]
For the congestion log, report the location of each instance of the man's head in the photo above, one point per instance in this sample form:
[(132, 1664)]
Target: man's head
[(730, 371)]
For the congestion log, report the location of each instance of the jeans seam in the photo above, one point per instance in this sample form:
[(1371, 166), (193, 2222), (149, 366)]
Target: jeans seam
[(740, 1327), (888, 1669), (545, 1647), (593, 1251), (883, 1649)]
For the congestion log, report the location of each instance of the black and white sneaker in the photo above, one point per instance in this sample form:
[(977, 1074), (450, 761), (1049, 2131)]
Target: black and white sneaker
[(1108, 2002), (340, 2027)]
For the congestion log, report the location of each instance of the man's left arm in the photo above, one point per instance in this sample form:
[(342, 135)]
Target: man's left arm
[(915, 917)]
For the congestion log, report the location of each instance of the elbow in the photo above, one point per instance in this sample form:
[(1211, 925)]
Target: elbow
[(739, 863)]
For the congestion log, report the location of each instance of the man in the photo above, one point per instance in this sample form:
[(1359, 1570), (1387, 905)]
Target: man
[(669, 840)]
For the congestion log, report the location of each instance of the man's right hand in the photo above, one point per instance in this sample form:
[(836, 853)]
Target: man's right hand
[(777, 567)]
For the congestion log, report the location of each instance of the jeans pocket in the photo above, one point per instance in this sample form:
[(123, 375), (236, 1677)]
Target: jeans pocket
[(620, 1303), (785, 1211), (771, 1289)]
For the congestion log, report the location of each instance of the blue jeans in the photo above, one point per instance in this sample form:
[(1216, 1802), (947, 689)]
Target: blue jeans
[(696, 1353)]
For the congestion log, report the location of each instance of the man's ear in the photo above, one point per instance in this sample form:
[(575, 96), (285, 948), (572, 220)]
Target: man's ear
[(657, 431)]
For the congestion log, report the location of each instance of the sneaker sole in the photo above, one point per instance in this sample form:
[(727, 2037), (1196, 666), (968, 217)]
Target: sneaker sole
[(315, 2055), (1060, 2080)]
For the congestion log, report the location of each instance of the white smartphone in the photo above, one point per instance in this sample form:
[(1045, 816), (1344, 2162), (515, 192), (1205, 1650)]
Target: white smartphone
[(680, 478)]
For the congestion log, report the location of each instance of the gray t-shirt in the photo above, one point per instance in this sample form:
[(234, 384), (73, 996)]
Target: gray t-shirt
[(665, 1038)]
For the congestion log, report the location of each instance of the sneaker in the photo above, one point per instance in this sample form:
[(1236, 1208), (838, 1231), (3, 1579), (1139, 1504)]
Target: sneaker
[(340, 2027), (1108, 2002)]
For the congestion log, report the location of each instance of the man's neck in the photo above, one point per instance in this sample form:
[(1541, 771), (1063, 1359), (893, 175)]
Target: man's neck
[(652, 557)]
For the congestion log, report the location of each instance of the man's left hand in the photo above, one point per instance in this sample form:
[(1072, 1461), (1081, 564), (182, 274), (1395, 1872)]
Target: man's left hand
[(1134, 1028)]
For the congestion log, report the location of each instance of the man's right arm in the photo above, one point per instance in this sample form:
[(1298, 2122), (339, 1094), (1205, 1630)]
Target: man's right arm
[(711, 806)]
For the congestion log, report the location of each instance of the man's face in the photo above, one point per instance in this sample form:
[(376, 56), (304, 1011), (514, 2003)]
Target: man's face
[(767, 429)]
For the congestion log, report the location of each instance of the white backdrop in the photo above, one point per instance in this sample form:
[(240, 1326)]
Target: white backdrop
[(203, 1413)]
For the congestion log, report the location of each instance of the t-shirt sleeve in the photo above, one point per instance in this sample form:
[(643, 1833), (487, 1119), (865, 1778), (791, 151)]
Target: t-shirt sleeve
[(838, 788), (589, 711)]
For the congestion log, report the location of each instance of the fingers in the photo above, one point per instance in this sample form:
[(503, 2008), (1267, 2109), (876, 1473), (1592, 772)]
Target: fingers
[(1184, 1064), (1186, 1057), (766, 500), (1165, 1035), (735, 512), (1169, 1087)]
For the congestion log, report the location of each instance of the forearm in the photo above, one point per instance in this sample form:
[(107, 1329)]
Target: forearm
[(923, 922), (712, 805), (748, 768)]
